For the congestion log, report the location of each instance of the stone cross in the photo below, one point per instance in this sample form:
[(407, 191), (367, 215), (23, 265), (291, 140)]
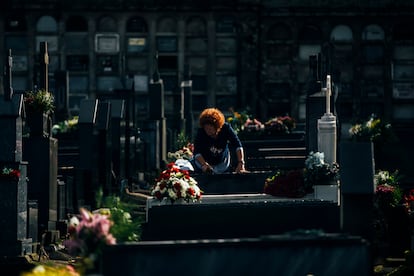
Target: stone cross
[(44, 63), (8, 90)]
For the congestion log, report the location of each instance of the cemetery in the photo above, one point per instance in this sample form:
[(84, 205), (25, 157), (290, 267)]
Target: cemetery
[(280, 218)]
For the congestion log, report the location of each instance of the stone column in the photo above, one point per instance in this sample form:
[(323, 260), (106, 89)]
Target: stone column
[(13, 187)]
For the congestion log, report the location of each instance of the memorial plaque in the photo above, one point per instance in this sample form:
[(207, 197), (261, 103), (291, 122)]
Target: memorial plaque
[(107, 43), (196, 45), (76, 42), (137, 44), (166, 44), (403, 90)]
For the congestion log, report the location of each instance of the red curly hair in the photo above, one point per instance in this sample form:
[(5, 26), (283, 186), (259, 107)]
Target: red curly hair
[(212, 116)]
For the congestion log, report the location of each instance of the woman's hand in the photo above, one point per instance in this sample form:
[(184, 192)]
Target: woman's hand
[(206, 168), (240, 167)]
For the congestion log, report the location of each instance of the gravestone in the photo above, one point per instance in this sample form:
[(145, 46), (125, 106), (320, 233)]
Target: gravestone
[(286, 254), (157, 120), (357, 188), (187, 105), (118, 137), (238, 216), (41, 153), (13, 190), (103, 144), (86, 176)]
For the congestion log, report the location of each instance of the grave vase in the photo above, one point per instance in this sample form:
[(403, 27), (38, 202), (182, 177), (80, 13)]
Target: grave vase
[(38, 123)]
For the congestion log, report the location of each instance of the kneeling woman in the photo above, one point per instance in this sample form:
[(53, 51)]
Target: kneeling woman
[(211, 144)]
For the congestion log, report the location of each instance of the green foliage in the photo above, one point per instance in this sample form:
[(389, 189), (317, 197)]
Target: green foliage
[(126, 226), (39, 101)]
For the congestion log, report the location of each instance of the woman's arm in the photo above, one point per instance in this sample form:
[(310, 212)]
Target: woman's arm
[(205, 167), (240, 168)]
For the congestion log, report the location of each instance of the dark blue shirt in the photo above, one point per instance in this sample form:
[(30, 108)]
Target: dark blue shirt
[(214, 150)]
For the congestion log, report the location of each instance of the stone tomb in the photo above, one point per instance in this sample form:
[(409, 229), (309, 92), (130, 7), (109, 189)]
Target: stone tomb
[(287, 255), (238, 216)]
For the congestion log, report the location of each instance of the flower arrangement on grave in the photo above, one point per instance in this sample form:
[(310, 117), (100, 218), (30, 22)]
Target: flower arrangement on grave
[(66, 126), (174, 184), (280, 125), (186, 153), (318, 172), (89, 233), (285, 183), (374, 129), (52, 268), (40, 101), (388, 193), (9, 173), (253, 125), (238, 120)]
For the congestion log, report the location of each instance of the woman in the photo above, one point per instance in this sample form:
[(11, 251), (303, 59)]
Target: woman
[(211, 144)]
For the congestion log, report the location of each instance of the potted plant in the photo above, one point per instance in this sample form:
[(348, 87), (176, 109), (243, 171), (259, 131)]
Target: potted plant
[(39, 105), (321, 176)]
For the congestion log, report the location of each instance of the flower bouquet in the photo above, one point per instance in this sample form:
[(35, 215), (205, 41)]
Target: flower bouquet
[(8, 173), (89, 233), (174, 184), (372, 130), (285, 183), (317, 172), (280, 125), (40, 101), (388, 194), (67, 126), (238, 120), (186, 153)]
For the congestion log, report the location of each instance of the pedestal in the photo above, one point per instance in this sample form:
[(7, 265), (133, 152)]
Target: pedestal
[(13, 203), (327, 137)]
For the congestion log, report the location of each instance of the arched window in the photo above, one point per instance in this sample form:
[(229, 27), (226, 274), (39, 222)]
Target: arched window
[(107, 24), (167, 25), (46, 24), (373, 32), (136, 25), (76, 23), (342, 33), (279, 31)]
